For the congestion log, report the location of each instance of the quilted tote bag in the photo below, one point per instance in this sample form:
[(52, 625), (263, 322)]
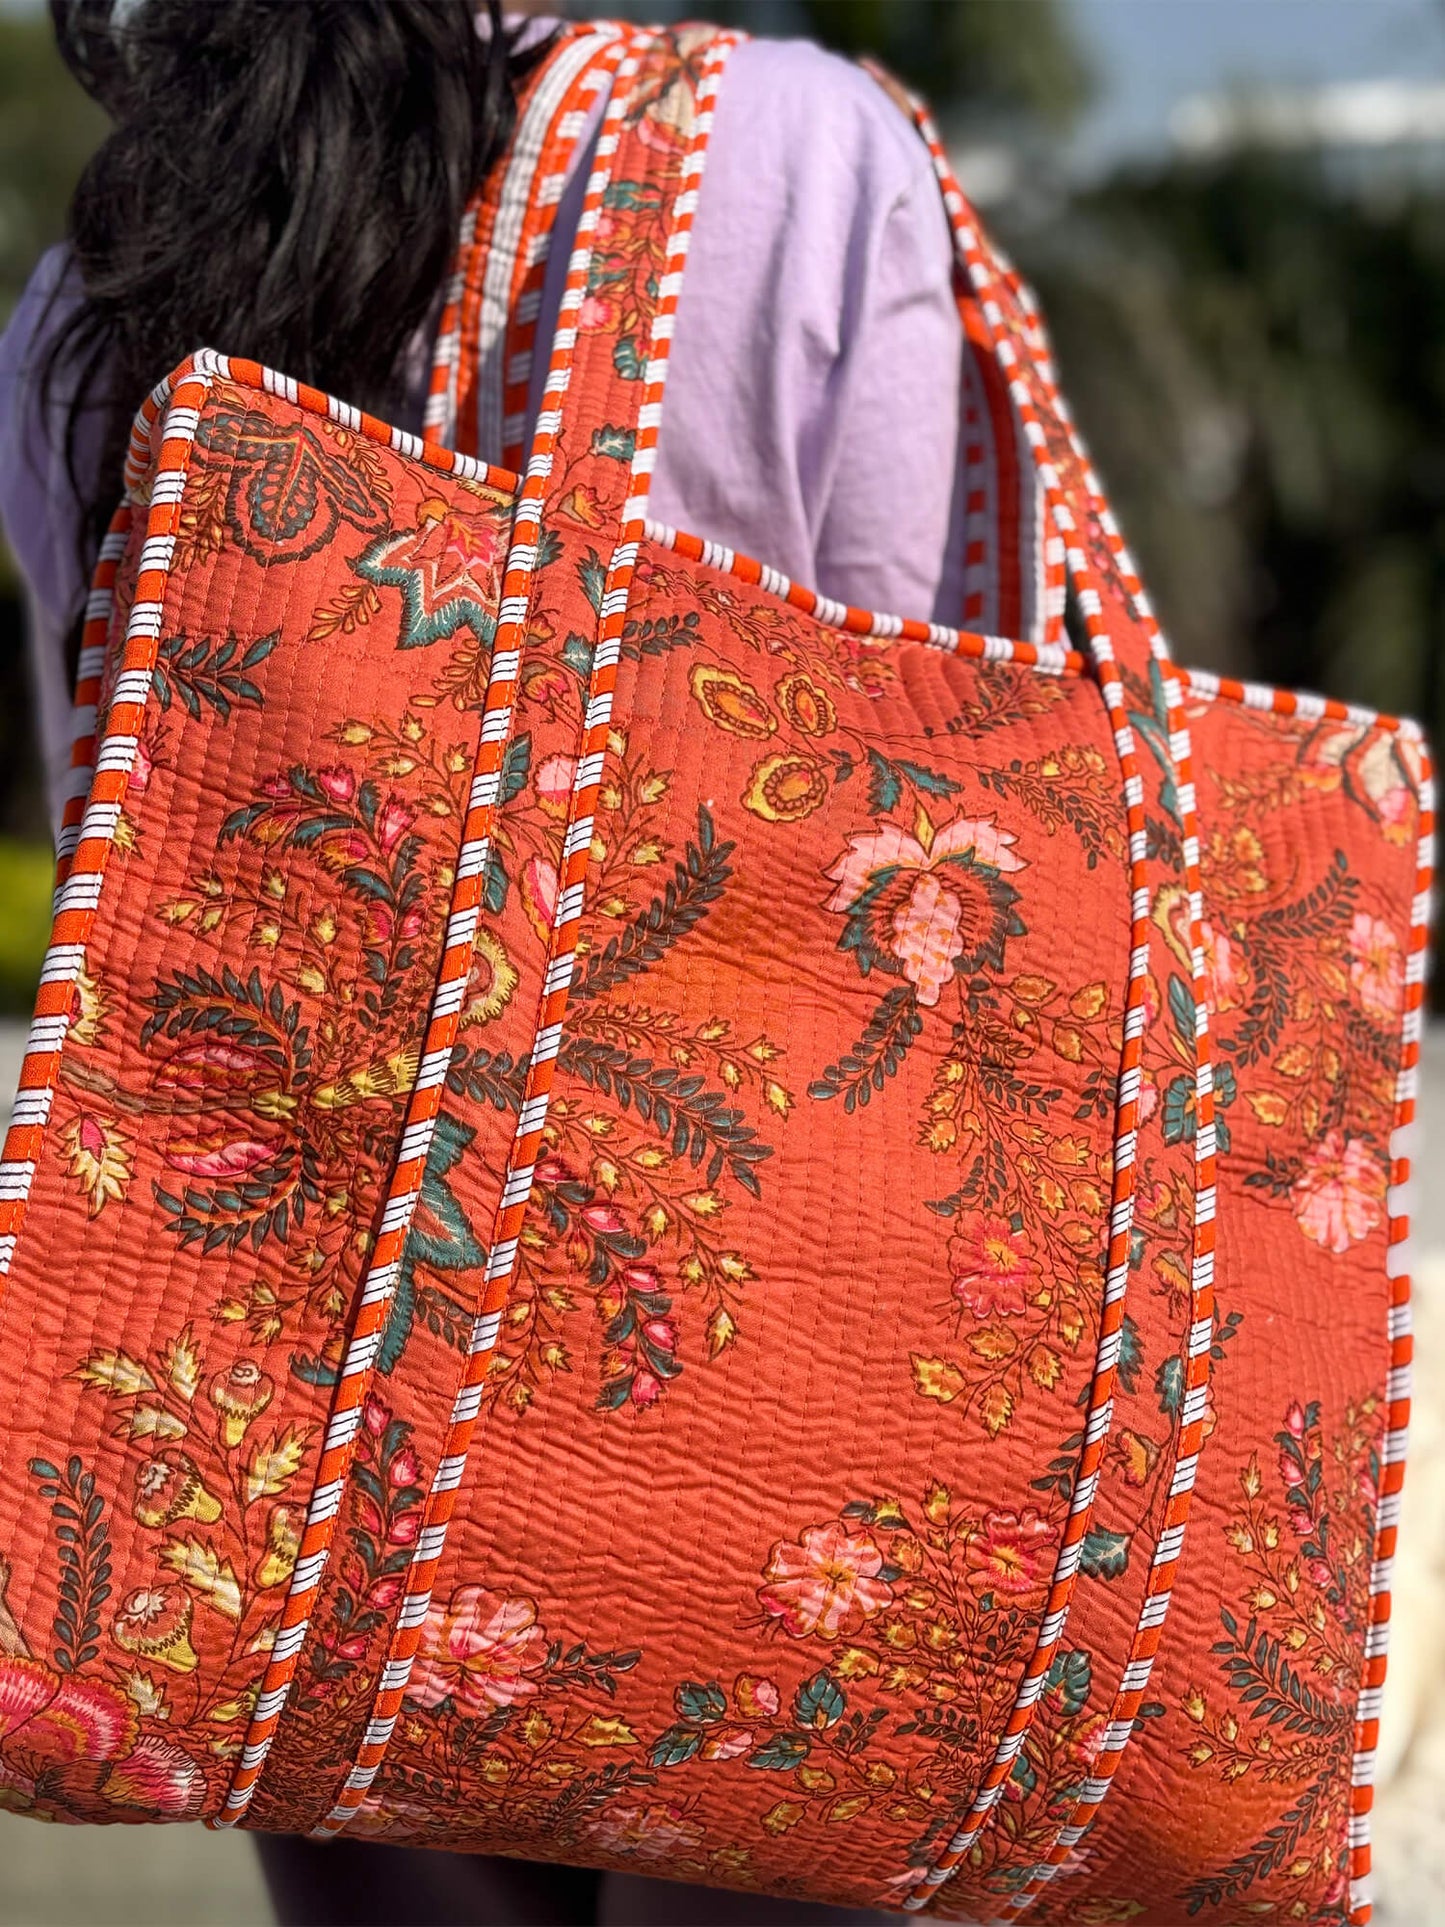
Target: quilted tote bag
[(658, 1223)]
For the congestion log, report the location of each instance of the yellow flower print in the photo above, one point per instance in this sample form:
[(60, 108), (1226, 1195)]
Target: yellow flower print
[(807, 707), (786, 788), (494, 978), (731, 703), (101, 1158)]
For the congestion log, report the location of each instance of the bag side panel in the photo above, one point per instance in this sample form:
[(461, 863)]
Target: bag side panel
[(243, 1036), (1236, 1796)]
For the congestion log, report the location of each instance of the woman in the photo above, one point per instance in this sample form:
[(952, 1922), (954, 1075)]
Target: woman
[(818, 351), (819, 319)]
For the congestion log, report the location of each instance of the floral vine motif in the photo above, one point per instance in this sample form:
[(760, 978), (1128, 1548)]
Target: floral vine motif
[(280, 1083), (83, 1733), (1307, 990), (1286, 1718), (647, 1141), (385, 1499), (931, 897), (1378, 770), (504, 1722), (924, 1617)]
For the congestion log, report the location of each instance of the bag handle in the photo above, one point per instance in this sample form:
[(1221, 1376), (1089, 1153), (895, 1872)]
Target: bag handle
[(481, 363), (1002, 316)]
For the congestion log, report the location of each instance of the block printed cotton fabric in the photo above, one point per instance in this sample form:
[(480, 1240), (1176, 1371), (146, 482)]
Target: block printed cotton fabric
[(656, 1223)]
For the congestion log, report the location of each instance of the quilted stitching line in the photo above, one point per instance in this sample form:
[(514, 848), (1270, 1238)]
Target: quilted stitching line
[(517, 1184)]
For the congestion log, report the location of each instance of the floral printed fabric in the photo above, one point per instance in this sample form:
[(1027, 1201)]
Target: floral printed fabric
[(782, 1429)]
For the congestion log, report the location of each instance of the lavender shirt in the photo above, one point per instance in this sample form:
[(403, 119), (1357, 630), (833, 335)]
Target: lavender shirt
[(812, 414)]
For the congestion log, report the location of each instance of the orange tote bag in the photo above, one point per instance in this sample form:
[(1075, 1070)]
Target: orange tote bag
[(658, 1223)]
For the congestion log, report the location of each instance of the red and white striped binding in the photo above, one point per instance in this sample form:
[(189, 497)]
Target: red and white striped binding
[(517, 1186), (1392, 1469), (501, 244), (1055, 660), (482, 245), (1032, 389), (88, 834), (175, 408)]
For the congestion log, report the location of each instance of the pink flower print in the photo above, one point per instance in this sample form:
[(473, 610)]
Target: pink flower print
[(657, 1832), (336, 785), (1339, 1197), (393, 820), (554, 780), (927, 905), (1377, 966), (539, 894), (482, 1649), (825, 1583), (1012, 1554), (993, 1272), (596, 314)]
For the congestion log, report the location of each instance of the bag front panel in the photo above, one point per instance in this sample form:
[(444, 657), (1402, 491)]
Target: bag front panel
[(244, 1035), (754, 1546), (1236, 1795)]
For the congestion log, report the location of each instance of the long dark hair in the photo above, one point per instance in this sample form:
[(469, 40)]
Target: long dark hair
[(284, 180)]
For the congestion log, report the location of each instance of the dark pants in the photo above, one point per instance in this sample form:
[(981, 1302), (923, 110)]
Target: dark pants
[(355, 1883)]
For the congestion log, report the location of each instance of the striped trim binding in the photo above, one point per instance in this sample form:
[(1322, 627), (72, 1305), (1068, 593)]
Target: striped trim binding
[(1392, 1471), (1148, 1633), (866, 623), (176, 404), (90, 834), (439, 417), (88, 677), (477, 248), (573, 75), (207, 363), (1060, 549), (562, 949), (1100, 1409), (980, 507), (529, 270), (1288, 702), (1149, 1628)]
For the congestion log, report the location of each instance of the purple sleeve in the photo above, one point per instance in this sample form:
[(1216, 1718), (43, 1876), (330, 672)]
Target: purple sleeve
[(37, 506), (813, 404)]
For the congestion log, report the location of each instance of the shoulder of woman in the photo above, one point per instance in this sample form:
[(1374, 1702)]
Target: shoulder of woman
[(808, 110), (37, 507)]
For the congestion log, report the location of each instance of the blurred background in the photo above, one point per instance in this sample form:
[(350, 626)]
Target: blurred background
[(1234, 211)]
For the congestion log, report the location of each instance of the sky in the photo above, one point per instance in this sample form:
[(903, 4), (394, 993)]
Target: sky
[(1150, 54)]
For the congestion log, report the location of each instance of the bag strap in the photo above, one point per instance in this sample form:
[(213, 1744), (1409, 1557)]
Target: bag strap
[(1013, 575), (1135, 672), (1001, 317), (596, 432), (481, 362)]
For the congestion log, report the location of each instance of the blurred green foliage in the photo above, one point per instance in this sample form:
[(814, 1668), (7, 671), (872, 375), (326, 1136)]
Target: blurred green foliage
[(1255, 350), (47, 130), (27, 875)]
